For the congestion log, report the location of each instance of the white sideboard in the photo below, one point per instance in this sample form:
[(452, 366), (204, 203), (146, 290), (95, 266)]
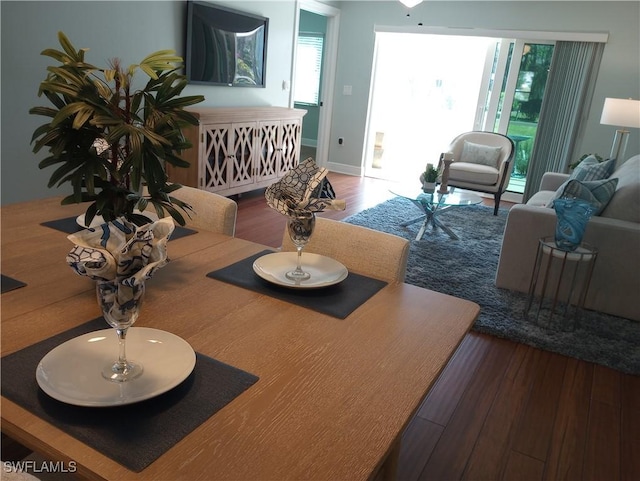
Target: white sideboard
[(240, 149)]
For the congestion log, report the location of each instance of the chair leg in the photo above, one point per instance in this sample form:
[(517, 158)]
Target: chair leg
[(496, 198)]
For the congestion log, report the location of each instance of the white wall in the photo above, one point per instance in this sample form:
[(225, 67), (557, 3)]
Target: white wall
[(129, 30), (619, 74)]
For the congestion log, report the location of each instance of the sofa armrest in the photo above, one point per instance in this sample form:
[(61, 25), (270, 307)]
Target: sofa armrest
[(552, 180), (526, 225)]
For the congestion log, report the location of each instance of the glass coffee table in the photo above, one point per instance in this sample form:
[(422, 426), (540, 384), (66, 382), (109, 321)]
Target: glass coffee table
[(433, 205)]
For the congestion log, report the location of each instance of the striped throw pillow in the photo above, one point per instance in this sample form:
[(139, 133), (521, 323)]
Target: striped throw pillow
[(590, 169)]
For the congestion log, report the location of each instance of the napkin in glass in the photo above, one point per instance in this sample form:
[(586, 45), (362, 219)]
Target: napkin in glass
[(303, 188), (120, 251)]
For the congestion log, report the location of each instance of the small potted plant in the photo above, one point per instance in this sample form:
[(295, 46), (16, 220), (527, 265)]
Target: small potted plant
[(111, 141), (428, 179)]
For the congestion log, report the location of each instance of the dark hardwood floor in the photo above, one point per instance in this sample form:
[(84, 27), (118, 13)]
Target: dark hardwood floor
[(500, 410)]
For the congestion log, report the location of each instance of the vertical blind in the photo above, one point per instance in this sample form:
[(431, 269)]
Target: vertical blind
[(308, 68), (565, 106)]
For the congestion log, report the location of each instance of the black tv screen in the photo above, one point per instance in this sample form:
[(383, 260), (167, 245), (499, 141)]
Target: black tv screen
[(225, 46)]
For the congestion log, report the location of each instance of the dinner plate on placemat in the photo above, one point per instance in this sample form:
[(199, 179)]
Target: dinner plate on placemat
[(72, 371), (324, 270)]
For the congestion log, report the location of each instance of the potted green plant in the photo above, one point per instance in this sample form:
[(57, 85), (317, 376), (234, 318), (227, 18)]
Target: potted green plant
[(429, 178), (111, 141)]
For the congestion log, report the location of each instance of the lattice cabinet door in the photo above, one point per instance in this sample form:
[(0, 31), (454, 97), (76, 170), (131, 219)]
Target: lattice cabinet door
[(266, 166), (289, 145), (242, 149), (214, 170), (238, 149)]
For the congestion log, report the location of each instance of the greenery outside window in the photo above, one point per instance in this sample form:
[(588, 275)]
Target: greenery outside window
[(308, 68)]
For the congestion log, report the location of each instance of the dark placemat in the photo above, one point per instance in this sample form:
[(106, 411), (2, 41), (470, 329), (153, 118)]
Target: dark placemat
[(134, 435), (180, 231), (70, 226), (338, 301), (9, 284)]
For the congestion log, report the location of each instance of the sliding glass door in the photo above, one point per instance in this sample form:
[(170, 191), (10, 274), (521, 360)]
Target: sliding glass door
[(426, 89), (424, 92), (515, 87)]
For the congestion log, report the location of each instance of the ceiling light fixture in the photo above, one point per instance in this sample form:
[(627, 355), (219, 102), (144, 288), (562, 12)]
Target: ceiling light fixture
[(410, 3)]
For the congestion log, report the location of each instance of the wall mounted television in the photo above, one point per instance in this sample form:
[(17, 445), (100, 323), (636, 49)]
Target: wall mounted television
[(225, 46)]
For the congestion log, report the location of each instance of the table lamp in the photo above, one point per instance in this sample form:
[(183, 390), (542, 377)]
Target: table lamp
[(621, 113)]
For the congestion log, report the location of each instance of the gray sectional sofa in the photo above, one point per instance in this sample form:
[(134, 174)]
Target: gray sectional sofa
[(615, 284)]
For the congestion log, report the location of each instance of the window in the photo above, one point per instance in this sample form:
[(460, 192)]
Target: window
[(308, 68)]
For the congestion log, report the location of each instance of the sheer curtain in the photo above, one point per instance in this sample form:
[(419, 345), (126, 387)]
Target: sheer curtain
[(565, 107)]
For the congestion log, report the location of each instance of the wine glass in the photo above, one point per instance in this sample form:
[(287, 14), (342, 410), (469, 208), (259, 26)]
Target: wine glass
[(300, 225), (120, 307)]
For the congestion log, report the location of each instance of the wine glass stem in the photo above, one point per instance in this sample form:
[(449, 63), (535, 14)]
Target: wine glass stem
[(299, 268), (122, 356)]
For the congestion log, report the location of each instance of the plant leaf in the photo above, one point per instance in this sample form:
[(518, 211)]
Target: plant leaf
[(66, 45)]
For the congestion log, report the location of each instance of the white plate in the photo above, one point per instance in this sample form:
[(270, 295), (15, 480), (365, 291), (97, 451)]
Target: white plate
[(72, 372), (98, 220), (324, 270)]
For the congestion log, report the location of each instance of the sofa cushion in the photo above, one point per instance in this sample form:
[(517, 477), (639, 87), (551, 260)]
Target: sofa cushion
[(591, 169), (480, 154), (625, 204), (596, 192), (542, 198)]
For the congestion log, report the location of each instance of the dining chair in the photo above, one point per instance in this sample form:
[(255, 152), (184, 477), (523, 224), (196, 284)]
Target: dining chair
[(362, 250), (482, 162), (212, 212)]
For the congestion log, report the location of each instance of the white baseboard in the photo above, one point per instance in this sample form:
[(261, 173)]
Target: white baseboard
[(310, 142), (344, 169)]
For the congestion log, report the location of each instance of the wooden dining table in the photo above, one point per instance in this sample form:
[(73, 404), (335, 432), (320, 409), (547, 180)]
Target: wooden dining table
[(333, 395)]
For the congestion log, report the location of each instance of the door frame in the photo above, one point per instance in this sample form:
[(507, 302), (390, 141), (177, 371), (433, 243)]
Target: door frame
[(328, 71)]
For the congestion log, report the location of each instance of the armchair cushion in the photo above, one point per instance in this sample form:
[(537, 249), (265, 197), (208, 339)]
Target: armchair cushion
[(473, 173), (596, 192), (473, 153)]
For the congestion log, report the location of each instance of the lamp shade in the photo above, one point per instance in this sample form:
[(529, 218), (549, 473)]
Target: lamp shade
[(621, 112)]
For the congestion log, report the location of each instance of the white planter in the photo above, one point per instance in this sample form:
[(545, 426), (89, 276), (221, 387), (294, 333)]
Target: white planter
[(428, 187)]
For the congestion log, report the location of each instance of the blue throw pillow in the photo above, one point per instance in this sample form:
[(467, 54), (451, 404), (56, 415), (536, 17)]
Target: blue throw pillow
[(590, 169), (596, 192)]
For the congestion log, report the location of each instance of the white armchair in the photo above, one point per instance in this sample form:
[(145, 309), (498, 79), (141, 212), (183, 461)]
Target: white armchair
[(482, 161)]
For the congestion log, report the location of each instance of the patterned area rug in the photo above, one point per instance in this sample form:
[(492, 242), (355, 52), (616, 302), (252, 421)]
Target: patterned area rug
[(466, 268)]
